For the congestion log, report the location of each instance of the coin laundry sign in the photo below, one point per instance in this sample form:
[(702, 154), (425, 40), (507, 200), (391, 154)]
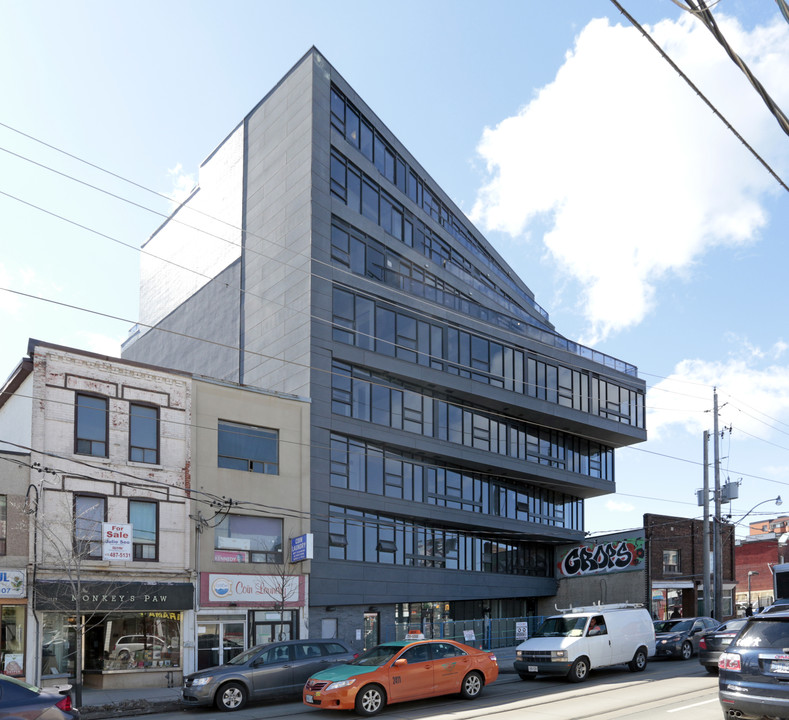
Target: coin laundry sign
[(117, 542)]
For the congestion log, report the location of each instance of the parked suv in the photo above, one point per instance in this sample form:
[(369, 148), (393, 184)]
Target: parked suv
[(264, 671), (753, 673)]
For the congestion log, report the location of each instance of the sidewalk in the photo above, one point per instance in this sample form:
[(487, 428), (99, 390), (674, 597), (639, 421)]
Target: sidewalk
[(99, 703)]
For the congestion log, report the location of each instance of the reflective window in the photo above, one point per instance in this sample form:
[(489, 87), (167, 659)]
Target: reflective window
[(433, 416), (143, 434), (373, 538), (144, 518), (243, 538), (91, 425), (90, 512), (368, 323), (248, 448)]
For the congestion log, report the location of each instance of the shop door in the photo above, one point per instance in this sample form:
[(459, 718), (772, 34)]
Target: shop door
[(271, 626), (218, 642), (371, 630)]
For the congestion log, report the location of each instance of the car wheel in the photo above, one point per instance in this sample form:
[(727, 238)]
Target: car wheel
[(687, 651), (231, 696), (711, 669), (639, 661), (579, 670), (527, 676), (370, 700), (123, 656), (472, 686)]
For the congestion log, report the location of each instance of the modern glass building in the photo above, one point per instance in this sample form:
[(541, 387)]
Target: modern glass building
[(455, 434)]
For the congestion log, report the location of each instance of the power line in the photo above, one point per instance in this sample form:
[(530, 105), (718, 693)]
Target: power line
[(698, 92), (702, 12)]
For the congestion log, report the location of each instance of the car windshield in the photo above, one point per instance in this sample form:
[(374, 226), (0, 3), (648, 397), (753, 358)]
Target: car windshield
[(773, 633), (244, 657), (673, 626), (377, 656), (562, 627)]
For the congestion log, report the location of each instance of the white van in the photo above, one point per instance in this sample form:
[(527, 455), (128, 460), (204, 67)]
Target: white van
[(584, 638)]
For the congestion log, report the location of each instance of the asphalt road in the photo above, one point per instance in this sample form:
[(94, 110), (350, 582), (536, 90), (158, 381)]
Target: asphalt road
[(667, 689)]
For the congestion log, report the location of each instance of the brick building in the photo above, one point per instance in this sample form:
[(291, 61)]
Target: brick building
[(755, 555), (675, 559)]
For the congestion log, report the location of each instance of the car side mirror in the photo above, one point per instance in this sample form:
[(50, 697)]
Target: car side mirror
[(400, 662)]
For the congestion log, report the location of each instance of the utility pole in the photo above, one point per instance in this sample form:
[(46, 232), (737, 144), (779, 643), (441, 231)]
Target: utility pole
[(717, 549), (706, 556)]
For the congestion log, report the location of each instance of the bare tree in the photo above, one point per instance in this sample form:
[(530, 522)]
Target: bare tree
[(283, 586), (66, 538)]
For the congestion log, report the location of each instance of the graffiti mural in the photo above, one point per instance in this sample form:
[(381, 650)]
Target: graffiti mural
[(607, 557)]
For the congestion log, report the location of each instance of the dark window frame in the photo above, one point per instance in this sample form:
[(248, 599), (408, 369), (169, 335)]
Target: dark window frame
[(266, 467), (97, 536), (253, 555), (157, 448), (138, 546), (77, 438)]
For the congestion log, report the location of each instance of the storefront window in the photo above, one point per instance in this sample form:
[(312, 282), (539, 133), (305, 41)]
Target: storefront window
[(113, 641), (134, 641), (59, 645), (12, 640)]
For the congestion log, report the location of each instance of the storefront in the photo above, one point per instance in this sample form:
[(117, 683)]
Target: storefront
[(238, 611), (13, 610), (133, 632)]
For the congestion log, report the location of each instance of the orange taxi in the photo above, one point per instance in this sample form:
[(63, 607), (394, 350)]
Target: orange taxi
[(398, 671)]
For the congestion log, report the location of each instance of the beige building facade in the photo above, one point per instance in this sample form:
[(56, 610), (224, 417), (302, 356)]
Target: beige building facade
[(250, 511)]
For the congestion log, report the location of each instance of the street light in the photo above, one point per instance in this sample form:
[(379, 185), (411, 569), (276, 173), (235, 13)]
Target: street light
[(716, 584), (750, 573)]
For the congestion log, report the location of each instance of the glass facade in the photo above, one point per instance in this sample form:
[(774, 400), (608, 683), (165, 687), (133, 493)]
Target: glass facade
[(376, 325), (378, 470), (389, 540), (361, 134), (363, 395)]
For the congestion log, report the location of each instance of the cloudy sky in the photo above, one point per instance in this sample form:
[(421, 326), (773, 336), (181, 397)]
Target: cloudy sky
[(643, 225)]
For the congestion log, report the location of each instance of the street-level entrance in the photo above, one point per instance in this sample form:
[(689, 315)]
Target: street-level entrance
[(219, 640)]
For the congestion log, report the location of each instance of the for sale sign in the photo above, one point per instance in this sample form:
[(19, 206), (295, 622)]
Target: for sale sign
[(116, 542)]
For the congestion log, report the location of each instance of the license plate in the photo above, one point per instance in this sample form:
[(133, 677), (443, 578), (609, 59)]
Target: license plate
[(778, 666), (532, 668), (308, 698)]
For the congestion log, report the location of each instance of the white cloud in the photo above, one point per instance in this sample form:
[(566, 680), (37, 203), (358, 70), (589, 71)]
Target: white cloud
[(633, 175), (753, 395), (182, 184)]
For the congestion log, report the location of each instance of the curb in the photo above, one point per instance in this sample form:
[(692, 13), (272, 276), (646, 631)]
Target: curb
[(128, 708)]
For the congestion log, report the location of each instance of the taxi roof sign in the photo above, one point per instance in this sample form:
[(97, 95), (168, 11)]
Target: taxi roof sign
[(415, 636)]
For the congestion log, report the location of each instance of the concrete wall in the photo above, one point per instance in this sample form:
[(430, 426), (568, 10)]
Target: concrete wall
[(200, 239), (201, 335), (16, 416), (277, 254)]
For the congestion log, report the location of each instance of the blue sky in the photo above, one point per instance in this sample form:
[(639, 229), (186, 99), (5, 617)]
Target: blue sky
[(644, 227)]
